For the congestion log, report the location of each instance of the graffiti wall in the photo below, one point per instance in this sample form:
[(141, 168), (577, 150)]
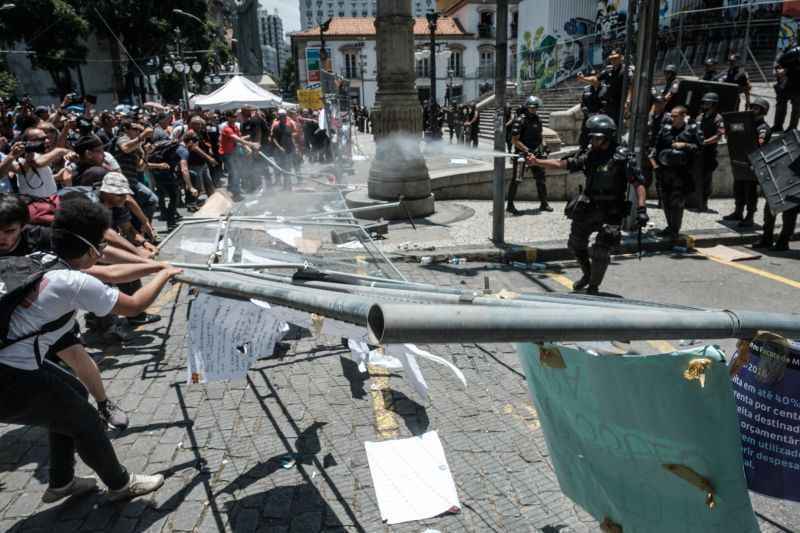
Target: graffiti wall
[(790, 25), (559, 38)]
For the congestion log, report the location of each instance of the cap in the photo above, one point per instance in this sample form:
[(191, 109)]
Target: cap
[(41, 109), (281, 111), (115, 183)]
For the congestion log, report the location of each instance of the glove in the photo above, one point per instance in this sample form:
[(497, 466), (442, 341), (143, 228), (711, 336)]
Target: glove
[(641, 217)]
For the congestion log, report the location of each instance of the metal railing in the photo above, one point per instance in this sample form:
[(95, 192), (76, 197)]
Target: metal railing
[(485, 31)]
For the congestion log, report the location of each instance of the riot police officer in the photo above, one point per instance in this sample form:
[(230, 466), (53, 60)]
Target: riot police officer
[(602, 205), (591, 104), (670, 88), (712, 128), (528, 138), (672, 158), (745, 192), (710, 73), (786, 91), (737, 75), (656, 120)]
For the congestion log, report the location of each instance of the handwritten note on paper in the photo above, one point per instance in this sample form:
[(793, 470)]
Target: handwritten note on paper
[(226, 336)]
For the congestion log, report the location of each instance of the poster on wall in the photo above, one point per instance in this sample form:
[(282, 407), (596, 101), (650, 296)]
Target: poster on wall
[(313, 64), (767, 392)]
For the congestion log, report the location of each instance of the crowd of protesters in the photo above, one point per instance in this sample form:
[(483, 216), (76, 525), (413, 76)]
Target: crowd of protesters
[(80, 190)]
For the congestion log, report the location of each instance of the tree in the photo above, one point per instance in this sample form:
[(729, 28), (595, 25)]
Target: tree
[(51, 29), (146, 29), (288, 82)]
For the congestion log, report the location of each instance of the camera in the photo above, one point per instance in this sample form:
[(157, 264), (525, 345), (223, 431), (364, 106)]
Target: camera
[(36, 147)]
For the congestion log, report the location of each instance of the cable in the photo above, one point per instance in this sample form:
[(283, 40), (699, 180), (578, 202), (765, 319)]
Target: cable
[(122, 46)]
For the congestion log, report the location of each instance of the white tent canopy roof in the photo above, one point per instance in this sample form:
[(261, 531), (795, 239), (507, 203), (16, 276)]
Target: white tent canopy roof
[(236, 93)]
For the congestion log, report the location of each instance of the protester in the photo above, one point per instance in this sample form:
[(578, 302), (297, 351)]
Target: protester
[(230, 139), (60, 400)]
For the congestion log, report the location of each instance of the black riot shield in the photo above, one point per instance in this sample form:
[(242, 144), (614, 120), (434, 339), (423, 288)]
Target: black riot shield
[(690, 94), (777, 167), (742, 138)]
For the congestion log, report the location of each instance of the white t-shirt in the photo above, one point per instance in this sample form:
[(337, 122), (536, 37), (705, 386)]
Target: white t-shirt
[(59, 292), (39, 183)]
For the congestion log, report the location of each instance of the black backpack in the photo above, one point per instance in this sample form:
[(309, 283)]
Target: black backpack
[(19, 276), (165, 152)]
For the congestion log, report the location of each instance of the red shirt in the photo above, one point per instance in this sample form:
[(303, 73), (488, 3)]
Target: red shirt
[(226, 143)]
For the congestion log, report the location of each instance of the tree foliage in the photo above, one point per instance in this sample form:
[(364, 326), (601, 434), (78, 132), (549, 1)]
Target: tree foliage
[(288, 82)]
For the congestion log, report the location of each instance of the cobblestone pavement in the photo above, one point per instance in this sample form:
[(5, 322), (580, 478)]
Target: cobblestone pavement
[(218, 443)]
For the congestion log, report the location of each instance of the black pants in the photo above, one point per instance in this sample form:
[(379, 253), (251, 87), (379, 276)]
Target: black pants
[(780, 111), (51, 398), (789, 219), (675, 187), (518, 173), (168, 195), (710, 164), (745, 194)]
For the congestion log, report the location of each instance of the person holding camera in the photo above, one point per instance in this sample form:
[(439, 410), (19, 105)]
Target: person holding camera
[(31, 161)]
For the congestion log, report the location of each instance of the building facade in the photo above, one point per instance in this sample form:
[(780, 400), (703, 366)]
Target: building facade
[(274, 48), (465, 53), (315, 12)]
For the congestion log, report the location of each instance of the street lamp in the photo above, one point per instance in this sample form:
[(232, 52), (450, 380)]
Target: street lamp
[(6, 7), (362, 66), (185, 14), (323, 54), (433, 18)]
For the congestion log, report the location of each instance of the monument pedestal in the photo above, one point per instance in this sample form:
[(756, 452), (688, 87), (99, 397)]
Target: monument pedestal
[(420, 207)]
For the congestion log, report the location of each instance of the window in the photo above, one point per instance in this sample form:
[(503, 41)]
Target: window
[(455, 63), (423, 68), (351, 65)]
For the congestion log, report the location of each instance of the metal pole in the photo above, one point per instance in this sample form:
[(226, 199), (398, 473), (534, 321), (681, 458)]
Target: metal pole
[(432, 27), (183, 74), (501, 51), (643, 81), (626, 75)]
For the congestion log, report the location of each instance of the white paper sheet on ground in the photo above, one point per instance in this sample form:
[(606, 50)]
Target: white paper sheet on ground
[(413, 375), (363, 356), (352, 245), (360, 352), (411, 478), (287, 235)]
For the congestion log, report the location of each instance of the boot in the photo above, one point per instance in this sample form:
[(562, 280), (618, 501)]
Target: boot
[(599, 267), (747, 221), (541, 191), (736, 216), (764, 243), (586, 268), (512, 193), (676, 220)]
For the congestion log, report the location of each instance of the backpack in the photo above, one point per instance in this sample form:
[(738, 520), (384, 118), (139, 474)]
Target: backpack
[(165, 152), (41, 210), (19, 276)]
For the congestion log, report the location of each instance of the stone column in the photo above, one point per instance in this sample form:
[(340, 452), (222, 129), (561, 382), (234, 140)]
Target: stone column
[(398, 168)]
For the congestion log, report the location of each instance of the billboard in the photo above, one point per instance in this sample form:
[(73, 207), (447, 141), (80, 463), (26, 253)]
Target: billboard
[(313, 64)]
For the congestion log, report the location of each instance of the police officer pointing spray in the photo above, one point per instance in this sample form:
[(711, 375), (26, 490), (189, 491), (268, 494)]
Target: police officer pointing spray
[(527, 137), (602, 205)]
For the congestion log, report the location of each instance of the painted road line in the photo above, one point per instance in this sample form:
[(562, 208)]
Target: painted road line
[(659, 346), (753, 270)]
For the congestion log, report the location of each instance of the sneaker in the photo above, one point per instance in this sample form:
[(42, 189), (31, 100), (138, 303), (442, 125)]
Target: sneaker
[(736, 217), (546, 207), (138, 485), (112, 415), (781, 246), (143, 318), (513, 210), (76, 487)]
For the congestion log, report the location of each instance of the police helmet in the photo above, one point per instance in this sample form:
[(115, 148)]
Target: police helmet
[(533, 101), (671, 68), (711, 62), (790, 58), (710, 98), (601, 126), (760, 102)]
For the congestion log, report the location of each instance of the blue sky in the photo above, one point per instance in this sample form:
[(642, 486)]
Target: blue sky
[(288, 10)]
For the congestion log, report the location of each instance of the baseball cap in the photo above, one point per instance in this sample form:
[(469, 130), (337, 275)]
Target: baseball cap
[(115, 183), (281, 111)]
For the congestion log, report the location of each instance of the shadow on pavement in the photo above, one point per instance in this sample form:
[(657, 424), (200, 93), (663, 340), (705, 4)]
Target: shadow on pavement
[(354, 377)]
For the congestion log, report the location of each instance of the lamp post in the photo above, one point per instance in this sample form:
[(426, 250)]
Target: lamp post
[(6, 7), (182, 67), (323, 53), (362, 66), (432, 20)]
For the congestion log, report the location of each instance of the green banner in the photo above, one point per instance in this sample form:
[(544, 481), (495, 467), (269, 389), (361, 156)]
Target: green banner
[(648, 443)]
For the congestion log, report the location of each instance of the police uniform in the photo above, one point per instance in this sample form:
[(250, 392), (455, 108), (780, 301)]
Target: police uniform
[(675, 170), (739, 77), (710, 75), (528, 129), (611, 80), (605, 189), (669, 90), (785, 92), (591, 104), (655, 122), (711, 124)]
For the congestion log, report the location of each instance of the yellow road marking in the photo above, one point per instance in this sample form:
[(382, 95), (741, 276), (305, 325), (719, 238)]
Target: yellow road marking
[(380, 393), (561, 279), (754, 270), (662, 346)]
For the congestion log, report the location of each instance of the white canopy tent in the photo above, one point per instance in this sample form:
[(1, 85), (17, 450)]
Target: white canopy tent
[(236, 93)]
